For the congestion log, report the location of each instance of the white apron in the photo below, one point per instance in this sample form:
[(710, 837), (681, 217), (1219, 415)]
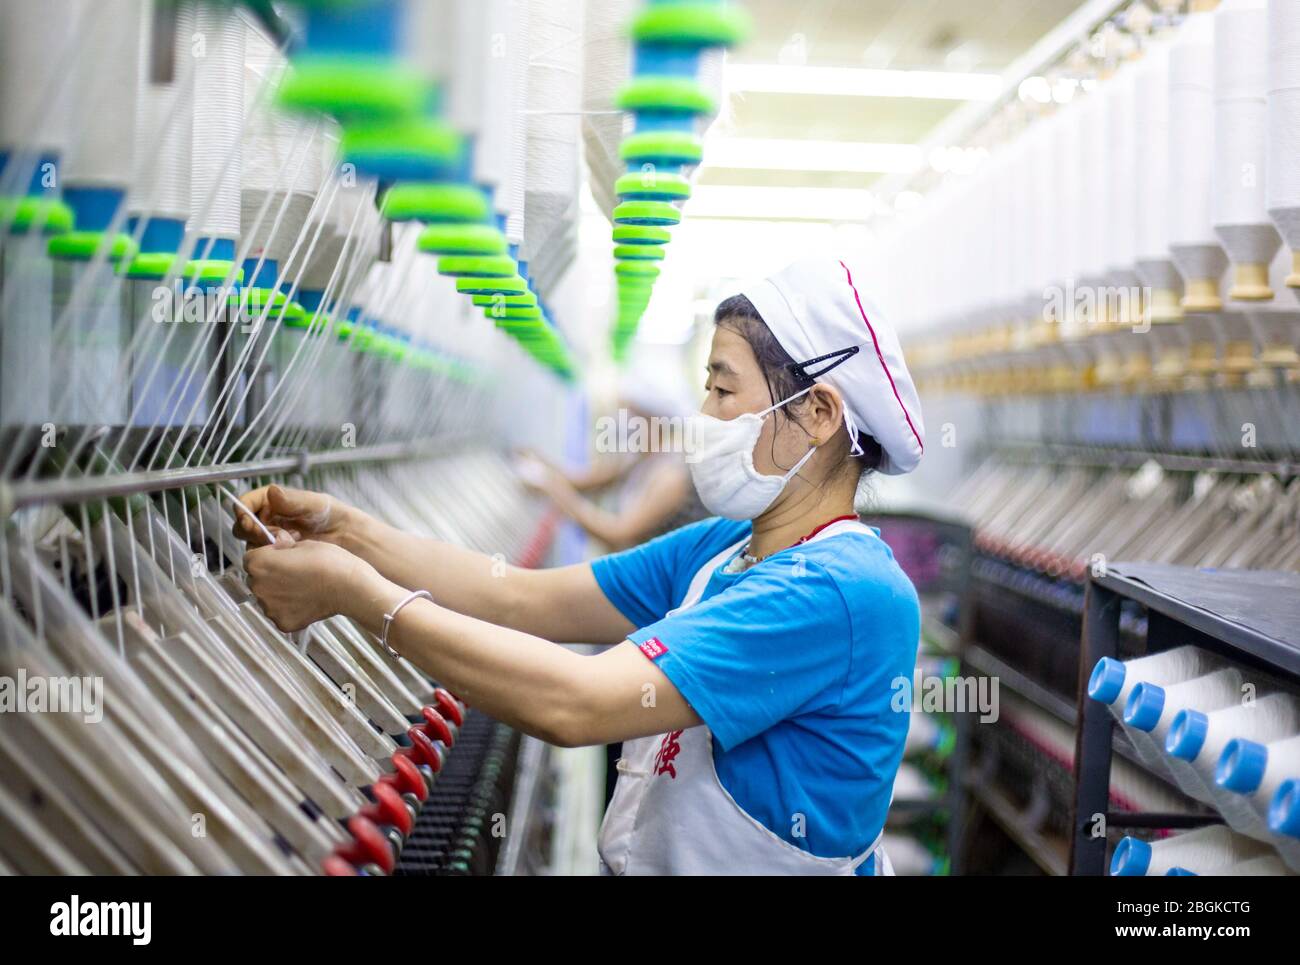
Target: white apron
[(670, 815)]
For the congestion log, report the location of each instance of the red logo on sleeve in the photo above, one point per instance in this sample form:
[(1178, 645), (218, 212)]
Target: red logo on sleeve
[(653, 648)]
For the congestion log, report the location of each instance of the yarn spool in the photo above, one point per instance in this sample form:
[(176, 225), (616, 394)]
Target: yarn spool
[(555, 94), (164, 129), (1093, 200), (517, 175), (218, 116), (1196, 739), (32, 36), (1241, 218), (274, 163), (1283, 111), (1195, 247), (506, 42), (1201, 852), (1154, 264), (1120, 237), (605, 69), (106, 81), (1257, 773), (1113, 681)]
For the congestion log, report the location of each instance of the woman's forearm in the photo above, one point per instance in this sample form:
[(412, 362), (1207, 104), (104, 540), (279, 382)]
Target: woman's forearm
[(461, 579), (528, 682), (563, 603), (522, 680)]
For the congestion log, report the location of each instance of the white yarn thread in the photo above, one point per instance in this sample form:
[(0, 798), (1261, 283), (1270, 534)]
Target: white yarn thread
[(475, 47), (554, 98), (1265, 865), (218, 117), (1192, 241), (506, 43), (1202, 850), (274, 143), (1211, 691), (1042, 216), (1164, 668), (1262, 720), (513, 199), (1283, 763), (31, 35), (1241, 218), (1067, 188), (428, 37), (1122, 197), (106, 83), (1154, 263), (606, 65), (161, 134), (1283, 185), (1094, 193), (1269, 718), (316, 274)]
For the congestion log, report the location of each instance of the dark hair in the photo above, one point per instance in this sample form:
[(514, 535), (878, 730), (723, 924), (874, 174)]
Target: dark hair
[(738, 314)]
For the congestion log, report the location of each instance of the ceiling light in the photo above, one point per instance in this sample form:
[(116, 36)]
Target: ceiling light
[(778, 203), (862, 82), (796, 155)]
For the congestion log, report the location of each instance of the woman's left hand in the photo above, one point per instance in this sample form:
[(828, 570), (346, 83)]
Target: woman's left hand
[(299, 583)]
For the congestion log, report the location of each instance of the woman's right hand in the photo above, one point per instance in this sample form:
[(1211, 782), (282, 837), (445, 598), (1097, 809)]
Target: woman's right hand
[(301, 513)]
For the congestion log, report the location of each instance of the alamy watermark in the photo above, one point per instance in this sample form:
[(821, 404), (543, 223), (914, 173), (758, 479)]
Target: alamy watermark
[(626, 432), (38, 694), (1088, 306)]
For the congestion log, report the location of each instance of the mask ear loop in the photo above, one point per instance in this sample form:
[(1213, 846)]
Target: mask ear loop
[(773, 408)]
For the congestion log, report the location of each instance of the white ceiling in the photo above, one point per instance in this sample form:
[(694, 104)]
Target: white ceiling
[(972, 37)]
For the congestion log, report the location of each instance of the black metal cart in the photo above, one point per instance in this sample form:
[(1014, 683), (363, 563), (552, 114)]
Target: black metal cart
[(1249, 617)]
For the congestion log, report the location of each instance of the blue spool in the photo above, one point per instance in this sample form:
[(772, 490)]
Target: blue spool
[(94, 208), (356, 28)]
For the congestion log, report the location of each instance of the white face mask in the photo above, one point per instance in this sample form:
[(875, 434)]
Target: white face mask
[(721, 459)]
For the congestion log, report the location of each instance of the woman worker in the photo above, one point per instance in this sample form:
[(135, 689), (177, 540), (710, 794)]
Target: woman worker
[(651, 487), (758, 687)]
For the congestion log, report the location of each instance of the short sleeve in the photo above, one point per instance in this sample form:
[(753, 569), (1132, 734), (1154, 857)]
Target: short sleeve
[(647, 581), (775, 644)]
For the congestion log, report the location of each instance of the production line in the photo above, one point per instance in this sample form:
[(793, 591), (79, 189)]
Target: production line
[(316, 554)]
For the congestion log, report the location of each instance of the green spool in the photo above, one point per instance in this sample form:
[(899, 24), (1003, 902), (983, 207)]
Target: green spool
[(636, 269), (353, 87), (515, 285), (423, 139), (521, 312), (639, 252), (652, 185), (526, 300), (646, 213), (434, 202), (85, 245), (690, 24), (676, 95), (641, 235), (211, 270), (462, 239), (661, 147), (477, 266), (151, 264), (24, 213)]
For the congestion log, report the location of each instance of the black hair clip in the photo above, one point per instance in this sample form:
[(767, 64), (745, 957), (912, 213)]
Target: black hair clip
[(841, 356)]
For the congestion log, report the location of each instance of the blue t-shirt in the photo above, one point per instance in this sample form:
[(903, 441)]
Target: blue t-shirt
[(792, 663)]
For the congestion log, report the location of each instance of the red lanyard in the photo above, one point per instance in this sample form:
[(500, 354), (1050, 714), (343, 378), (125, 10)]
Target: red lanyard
[(829, 522)]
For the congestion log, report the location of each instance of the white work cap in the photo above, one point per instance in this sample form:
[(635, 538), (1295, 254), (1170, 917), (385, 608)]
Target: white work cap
[(815, 308)]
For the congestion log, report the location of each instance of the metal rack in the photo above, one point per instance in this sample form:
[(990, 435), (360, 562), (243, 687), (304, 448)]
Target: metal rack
[(1250, 617)]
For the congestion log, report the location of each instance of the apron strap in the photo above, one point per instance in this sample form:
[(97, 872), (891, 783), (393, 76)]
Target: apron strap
[(701, 578), (868, 853)]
